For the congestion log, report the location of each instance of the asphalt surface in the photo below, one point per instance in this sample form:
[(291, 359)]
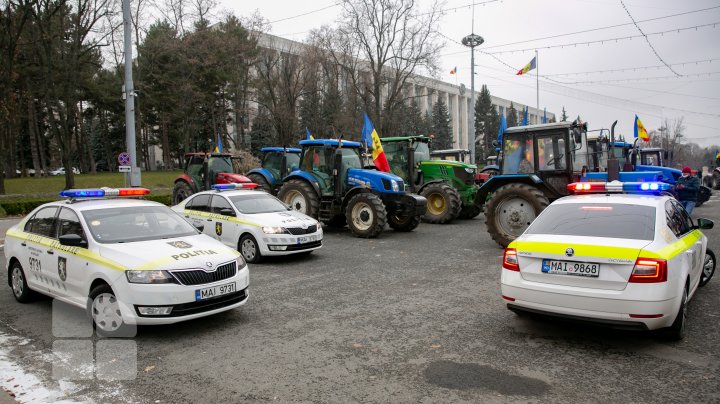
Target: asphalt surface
[(407, 317)]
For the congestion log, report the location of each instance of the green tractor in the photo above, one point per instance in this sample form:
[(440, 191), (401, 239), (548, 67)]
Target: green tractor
[(449, 186)]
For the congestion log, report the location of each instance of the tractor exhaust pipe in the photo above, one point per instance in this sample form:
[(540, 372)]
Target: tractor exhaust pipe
[(613, 164)]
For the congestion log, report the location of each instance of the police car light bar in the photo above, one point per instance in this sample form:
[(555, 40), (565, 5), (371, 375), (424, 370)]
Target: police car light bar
[(242, 185), (103, 192), (618, 187)]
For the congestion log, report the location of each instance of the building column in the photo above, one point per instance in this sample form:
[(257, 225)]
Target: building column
[(464, 123), (455, 122)]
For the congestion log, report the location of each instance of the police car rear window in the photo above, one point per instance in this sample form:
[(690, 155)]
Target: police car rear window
[(596, 220)]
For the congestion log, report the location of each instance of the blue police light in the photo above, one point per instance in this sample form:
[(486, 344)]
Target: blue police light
[(82, 193), (242, 185), (649, 187)]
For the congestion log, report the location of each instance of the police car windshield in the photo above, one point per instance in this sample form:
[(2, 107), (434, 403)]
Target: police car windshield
[(260, 203), (137, 223), (609, 220)]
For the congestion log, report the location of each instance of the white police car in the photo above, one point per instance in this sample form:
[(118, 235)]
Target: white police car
[(625, 260), (127, 261), (254, 222)]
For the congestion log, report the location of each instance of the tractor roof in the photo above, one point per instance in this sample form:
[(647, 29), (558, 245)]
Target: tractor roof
[(446, 151), (418, 138), (542, 127), (329, 142), (280, 149)]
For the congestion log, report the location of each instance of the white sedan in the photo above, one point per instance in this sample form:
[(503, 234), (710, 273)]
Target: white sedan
[(254, 222), (628, 261), (126, 261)]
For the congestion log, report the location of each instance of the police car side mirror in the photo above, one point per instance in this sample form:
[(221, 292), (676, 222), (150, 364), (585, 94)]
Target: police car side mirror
[(73, 240), (705, 224), (199, 227), (227, 212)]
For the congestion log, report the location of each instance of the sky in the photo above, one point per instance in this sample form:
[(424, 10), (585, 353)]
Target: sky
[(573, 68)]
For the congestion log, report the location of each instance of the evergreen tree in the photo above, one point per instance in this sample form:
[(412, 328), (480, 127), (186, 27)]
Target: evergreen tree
[(311, 115), (262, 133), (563, 117), (441, 126), (487, 122), (511, 116)]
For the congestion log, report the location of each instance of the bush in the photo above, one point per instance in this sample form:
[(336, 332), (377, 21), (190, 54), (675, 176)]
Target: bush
[(22, 206), (164, 199)]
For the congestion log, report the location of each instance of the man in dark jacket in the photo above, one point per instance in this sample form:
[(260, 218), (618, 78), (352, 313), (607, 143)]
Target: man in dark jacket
[(687, 188)]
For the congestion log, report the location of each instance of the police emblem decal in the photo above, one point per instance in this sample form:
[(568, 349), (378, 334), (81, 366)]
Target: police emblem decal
[(62, 268), (218, 228), (180, 244), (569, 252)]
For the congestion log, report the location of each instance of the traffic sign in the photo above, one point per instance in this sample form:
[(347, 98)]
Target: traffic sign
[(124, 159), (124, 169)]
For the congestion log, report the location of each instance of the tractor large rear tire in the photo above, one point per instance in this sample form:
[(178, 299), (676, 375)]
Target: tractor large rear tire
[(511, 210), (470, 211), (404, 223), (261, 181), (301, 196), (181, 191), (443, 203), (366, 215)]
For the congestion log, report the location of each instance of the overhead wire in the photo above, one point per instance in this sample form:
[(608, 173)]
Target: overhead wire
[(648, 40), (630, 69)]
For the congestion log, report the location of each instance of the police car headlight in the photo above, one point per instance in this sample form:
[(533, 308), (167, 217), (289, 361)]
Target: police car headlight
[(149, 277), (275, 230), (395, 186), (240, 262)]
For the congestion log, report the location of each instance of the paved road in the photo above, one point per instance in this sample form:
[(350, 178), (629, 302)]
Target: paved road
[(405, 318)]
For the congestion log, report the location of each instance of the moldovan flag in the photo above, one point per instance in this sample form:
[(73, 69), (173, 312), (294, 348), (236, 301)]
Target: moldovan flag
[(528, 67), (640, 130), (454, 70), (371, 137)]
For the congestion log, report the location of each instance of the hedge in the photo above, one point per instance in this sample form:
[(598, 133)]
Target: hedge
[(19, 207)]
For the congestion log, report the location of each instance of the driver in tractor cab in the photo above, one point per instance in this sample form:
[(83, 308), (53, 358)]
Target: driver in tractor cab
[(398, 165)]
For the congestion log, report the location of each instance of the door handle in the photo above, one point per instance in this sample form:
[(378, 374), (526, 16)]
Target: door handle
[(209, 220), (188, 216), (24, 244), (50, 252)]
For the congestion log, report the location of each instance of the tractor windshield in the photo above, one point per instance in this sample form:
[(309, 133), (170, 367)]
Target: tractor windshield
[(422, 152), (292, 160), (518, 154), (220, 165), (651, 158)]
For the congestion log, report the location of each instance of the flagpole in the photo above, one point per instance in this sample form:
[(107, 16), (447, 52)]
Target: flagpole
[(537, 73)]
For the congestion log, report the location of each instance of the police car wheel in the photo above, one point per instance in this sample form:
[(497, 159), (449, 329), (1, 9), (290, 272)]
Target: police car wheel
[(105, 312), (249, 248), (21, 291), (708, 269), (676, 331)]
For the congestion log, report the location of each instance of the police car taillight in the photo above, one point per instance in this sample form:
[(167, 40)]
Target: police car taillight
[(649, 270), (240, 185), (510, 260), (103, 192)]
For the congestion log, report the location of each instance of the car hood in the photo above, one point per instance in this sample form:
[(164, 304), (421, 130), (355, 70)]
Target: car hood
[(290, 218), (173, 253)]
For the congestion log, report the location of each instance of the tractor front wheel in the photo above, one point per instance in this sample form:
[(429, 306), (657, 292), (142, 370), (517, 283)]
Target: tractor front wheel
[(366, 215), (511, 210), (404, 223), (263, 184), (300, 196), (443, 203), (181, 191)]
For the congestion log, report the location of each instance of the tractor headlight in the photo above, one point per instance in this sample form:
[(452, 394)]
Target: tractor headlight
[(395, 186), (275, 230), (149, 277), (469, 170)]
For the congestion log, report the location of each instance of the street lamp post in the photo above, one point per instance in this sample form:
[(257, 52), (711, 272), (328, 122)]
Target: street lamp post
[(472, 41), (135, 179)]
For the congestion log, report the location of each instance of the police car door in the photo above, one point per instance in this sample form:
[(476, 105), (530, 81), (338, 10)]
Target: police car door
[(70, 269), (681, 226), (694, 241), (38, 257), (195, 211), (224, 229)]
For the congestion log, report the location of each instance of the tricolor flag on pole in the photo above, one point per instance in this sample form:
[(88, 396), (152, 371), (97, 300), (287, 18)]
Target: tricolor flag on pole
[(371, 138), (454, 70), (528, 67), (640, 131)]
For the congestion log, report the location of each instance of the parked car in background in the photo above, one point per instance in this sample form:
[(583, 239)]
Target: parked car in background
[(61, 171)]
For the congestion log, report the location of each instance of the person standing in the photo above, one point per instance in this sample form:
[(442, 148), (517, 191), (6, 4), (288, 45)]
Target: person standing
[(687, 188)]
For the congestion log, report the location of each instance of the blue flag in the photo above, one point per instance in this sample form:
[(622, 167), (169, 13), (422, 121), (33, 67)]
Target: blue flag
[(367, 131), (501, 130), (308, 136), (525, 116), (218, 146), (544, 115)]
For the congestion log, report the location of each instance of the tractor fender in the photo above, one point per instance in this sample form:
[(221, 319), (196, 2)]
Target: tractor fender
[(304, 176), (267, 174), (352, 192), (497, 181), (187, 179), (490, 168), (419, 191)]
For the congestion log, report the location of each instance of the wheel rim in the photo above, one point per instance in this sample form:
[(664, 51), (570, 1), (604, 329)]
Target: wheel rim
[(296, 200), (18, 283), (708, 266), (362, 216), (436, 204), (106, 312), (515, 215), (249, 249)]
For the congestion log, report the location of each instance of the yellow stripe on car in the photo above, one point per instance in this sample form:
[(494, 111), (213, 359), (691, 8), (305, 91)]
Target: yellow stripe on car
[(216, 216)]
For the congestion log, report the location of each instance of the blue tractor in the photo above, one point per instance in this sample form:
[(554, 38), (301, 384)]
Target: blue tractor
[(332, 186), (277, 163)]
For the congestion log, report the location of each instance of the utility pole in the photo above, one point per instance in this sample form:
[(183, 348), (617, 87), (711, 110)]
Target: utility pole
[(135, 179), (472, 41)]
